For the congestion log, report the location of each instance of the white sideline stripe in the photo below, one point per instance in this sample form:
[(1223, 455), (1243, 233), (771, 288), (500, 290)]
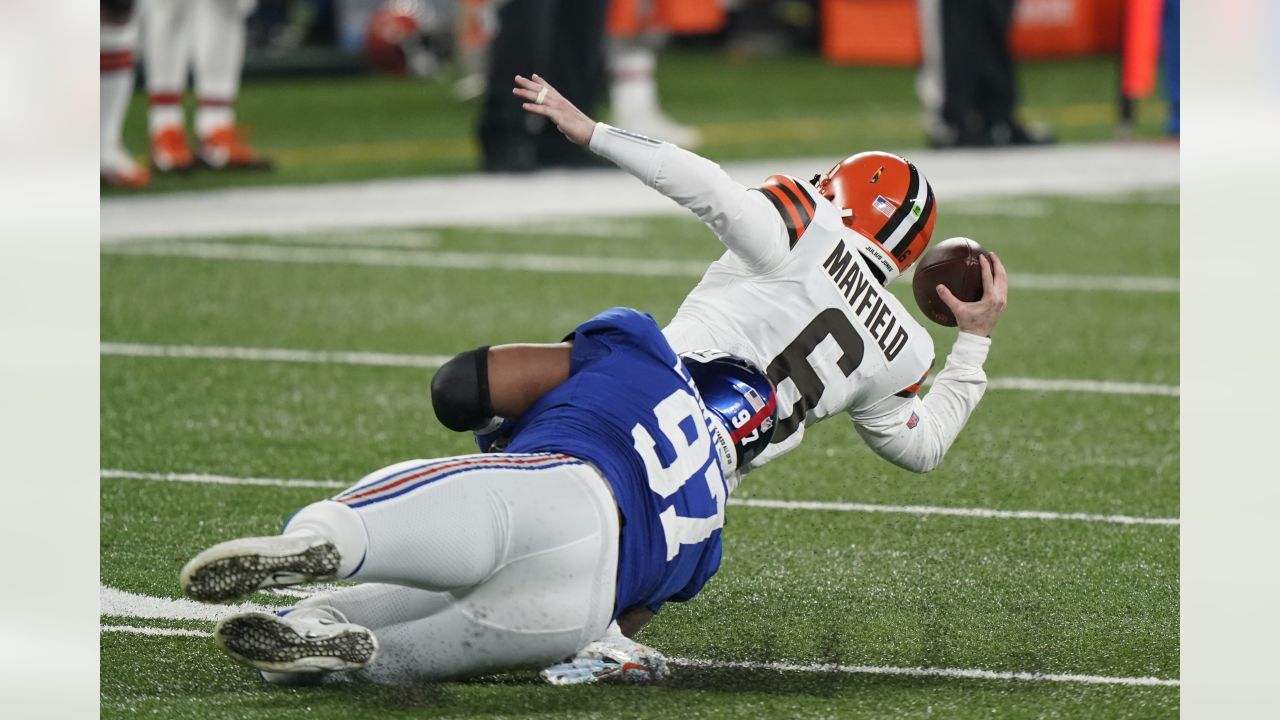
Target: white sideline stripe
[(1101, 169), (334, 357), (400, 360), (138, 630), (744, 502), (956, 673), (572, 264), (955, 512), (953, 673)]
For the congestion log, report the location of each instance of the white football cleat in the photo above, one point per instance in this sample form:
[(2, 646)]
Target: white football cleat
[(236, 568), (302, 643), (615, 661)]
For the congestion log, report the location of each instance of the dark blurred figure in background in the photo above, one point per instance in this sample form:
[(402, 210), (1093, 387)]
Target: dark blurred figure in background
[(967, 81), (1170, 33), (562, 39)]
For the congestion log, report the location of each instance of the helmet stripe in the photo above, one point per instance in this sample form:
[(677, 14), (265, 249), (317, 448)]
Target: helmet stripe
[(916, 227), (901, 235), (904, 207), (763, 414)]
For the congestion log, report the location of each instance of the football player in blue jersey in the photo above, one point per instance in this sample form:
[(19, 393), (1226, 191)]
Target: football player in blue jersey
[(607, 502)]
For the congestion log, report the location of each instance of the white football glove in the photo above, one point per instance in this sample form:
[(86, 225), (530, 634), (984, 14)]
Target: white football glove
[(613, 657)]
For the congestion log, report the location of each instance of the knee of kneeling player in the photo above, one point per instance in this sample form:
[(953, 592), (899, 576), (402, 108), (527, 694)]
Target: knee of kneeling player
[(460, 391)]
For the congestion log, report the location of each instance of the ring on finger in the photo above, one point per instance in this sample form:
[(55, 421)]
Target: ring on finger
[(542, 95)]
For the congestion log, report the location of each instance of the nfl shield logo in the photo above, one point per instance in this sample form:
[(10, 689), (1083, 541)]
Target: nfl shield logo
[(913, 421)]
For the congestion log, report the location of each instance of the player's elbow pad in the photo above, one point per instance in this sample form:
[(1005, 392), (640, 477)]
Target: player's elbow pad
[(460, 391)]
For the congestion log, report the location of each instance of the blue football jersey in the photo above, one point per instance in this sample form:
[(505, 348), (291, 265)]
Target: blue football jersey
[(629, 407)]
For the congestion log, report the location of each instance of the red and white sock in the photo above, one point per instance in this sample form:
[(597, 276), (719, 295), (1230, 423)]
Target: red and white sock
[(219, 58), (117, 39), (167, 37)]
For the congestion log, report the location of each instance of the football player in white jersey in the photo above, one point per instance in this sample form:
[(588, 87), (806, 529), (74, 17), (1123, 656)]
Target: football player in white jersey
[(801, 290)]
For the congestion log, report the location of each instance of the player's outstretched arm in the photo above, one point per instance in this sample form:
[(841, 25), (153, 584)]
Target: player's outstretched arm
[(915, 433), (744, 221)]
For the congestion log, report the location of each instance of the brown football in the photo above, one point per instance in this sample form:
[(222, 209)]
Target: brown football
[(954, 263)]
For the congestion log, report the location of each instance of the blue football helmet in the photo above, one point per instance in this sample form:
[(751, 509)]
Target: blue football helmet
[(741, 401)]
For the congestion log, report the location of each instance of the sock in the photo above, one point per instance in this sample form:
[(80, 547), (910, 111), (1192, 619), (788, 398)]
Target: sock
[(338, 524), (633, 89), (167, 37), (116, 42), (212, 115), (219, 58)]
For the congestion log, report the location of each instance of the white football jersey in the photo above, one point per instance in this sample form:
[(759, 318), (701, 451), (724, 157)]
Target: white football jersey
[(795, 296), (829, 335)]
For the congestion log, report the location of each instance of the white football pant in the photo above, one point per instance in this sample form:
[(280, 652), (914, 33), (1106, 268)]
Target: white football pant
[(116, 45), (475, 563), (205, 35)]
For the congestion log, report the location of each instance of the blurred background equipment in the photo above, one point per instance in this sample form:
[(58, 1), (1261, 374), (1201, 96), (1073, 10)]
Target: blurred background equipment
[(1150, 45), (411, 37)]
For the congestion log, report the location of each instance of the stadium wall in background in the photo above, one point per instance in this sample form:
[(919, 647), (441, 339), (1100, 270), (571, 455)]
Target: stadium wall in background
[(886, 32)]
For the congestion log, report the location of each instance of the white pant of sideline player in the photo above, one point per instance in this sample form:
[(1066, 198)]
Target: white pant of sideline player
[(491, 568)]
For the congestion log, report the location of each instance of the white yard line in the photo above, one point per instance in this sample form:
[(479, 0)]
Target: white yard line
[(920, 510), (377, 257), (954, 512), (952, 673), (205, 479), (323, 357), (1092, 170), (164, 631), (564, 264), (1105, 387), (121, 603), (956, 673), (400, 360)]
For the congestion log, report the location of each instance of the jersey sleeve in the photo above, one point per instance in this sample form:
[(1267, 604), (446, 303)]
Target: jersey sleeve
[(617, 327), (746, 221), (915, 433)]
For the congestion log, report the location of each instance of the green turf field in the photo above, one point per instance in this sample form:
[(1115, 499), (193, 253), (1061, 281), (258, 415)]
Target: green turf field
[(798, 587), (329, 129)]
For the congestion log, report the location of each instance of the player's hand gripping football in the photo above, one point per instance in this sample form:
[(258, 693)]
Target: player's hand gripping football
[(980, 317), (542, 99)]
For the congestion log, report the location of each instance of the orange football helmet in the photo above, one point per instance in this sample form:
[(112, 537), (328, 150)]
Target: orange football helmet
[(888, 203)]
